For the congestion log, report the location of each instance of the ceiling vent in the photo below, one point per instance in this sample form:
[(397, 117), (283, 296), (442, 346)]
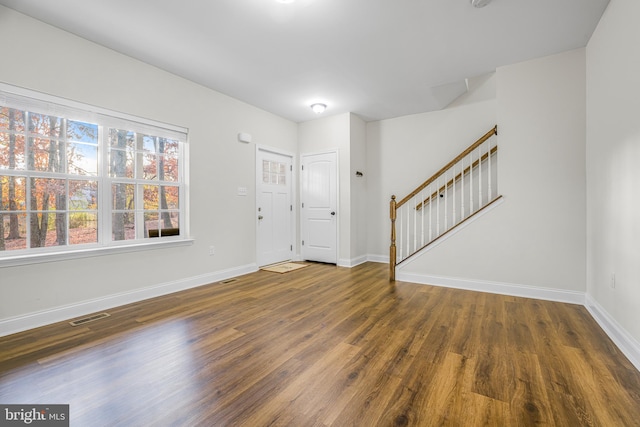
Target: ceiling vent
[(480, 3)]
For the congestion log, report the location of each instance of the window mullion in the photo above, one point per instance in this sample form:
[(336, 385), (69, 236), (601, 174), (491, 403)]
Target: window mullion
[(104, 188), (28, 177), (64, 161)]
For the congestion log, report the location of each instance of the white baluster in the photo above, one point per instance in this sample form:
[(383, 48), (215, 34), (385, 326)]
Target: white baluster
[(422, 218), (446, 205), (438, 207), (408, 229), (415, 225), (430, 212), (462, 188), (480, 203), (471, 183), (454, 196), (400, 235), (489, 176)]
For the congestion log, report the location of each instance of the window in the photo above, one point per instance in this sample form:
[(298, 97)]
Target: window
[(72, 178), (145, 185), (274, 172)]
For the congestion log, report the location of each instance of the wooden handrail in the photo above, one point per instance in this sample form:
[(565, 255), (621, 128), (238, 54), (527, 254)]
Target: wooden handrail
[(456, 178), (435, 176)]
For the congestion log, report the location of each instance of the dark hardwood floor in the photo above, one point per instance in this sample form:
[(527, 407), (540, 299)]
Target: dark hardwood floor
[(327, 346)]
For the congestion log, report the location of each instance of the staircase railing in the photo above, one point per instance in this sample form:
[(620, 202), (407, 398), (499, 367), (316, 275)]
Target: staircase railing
[(459, 190)]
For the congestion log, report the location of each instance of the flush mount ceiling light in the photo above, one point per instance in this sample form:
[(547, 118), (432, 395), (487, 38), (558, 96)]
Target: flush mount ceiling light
[(480, 3), (318, 108)]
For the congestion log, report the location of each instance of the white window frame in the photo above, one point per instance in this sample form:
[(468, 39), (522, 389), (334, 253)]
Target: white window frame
[(28, 100)]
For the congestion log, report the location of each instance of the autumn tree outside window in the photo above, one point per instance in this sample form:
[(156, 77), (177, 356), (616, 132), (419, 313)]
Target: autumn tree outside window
[(84, 178)]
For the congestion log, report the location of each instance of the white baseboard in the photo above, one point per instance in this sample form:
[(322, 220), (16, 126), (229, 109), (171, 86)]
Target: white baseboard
[(559, 295), (59, 314), (625, 342), (352, 262), (383, 259)]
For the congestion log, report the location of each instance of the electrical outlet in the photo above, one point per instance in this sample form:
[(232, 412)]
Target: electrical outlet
[(212, 250), (613, 280)]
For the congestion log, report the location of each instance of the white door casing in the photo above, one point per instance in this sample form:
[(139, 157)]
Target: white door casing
[(274, 209), (319, 207)]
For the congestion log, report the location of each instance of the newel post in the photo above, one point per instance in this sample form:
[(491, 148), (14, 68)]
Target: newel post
[(392, 248)]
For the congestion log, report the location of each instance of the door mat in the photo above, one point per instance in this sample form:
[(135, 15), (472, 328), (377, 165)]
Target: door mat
[(284, 267)]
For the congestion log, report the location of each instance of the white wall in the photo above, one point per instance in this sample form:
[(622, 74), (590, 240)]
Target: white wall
[(536, 237), (46, 59), (613, 165), (359, 194)]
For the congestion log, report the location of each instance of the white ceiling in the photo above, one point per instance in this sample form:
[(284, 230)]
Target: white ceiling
[(376, 58)]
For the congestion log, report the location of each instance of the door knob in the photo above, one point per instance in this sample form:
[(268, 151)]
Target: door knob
[(260, 217), (333, 213)]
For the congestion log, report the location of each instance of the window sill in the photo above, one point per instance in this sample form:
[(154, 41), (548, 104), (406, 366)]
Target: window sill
[(13, 261)]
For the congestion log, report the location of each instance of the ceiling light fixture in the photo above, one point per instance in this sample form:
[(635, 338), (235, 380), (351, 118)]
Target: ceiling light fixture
[(318, 108), (480, 3)]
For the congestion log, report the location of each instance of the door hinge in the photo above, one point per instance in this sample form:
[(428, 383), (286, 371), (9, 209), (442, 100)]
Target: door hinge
[(291, 248), (291, 168), (302, 167), (291, 208), (303, 243), (303, 205)]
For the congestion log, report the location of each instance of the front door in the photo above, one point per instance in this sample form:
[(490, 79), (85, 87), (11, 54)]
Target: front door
[(319, 197), (274, 209)]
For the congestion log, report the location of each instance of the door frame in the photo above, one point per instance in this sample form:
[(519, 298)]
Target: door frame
[(337, 177), (294, 195)]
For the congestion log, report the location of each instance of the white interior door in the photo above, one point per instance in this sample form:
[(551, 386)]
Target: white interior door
[(319, 203), (274, 209)]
